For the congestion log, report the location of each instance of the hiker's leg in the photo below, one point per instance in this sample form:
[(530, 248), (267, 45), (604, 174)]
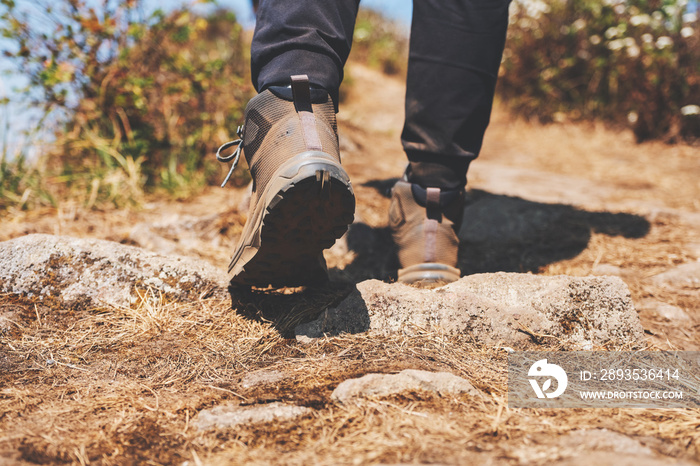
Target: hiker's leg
[(311, 37), (456, 49), (302, 199)]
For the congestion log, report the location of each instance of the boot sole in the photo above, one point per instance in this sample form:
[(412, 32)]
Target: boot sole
[(307, 205), (429, 273)]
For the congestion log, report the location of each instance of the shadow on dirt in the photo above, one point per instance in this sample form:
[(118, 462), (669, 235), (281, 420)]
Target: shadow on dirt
[(375, 255), (511, 234), (286, 308), (383, 187), (499, 233)]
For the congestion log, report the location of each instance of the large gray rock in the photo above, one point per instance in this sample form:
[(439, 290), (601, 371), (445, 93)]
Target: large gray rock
[(231, 415), (91, 272), (370, 385), (500, 308)]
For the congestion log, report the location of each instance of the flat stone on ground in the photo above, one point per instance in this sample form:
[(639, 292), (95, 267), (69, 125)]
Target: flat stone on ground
[(591, 446), (682, 275), (370, 385), (667, 311), (608, 269), (231, 415), (254, 379)]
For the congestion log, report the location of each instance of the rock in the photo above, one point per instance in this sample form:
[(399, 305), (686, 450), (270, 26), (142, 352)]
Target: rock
[(608, 269), (603, 439), (232, 415), (254, 379), (501, 308), (601, 458), (7, 317), (593, 446), (91, 272), (667, 311), (184, 235), (370, 385), (682, 275)]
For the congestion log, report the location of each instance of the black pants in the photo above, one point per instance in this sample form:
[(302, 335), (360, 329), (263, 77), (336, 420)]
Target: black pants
[(455, 52)]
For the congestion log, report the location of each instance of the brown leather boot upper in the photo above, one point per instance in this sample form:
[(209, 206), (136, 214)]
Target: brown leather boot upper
[(301, 200), (274, 133), (424, 225)]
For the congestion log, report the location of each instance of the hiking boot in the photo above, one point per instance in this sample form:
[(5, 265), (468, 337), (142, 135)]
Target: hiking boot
[(302, 199), (424, 224)]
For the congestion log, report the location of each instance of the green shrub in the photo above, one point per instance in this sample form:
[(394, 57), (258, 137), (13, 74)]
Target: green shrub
[(628, 62), (141, 104), (22, 184), (380, 43)]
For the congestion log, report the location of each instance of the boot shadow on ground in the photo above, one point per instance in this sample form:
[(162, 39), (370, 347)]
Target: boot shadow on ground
[(511, 234), (286, 308), (499, 234)]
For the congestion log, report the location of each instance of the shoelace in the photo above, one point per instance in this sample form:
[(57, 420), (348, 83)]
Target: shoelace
[(235, 156)]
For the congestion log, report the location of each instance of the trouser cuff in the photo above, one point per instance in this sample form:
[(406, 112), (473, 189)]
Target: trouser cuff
[(323, 71), (438, 170)]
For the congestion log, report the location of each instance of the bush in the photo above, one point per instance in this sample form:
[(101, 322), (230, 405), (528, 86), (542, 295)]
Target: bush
[(628, 62), (380, 43), (141, 103), (21, 184)]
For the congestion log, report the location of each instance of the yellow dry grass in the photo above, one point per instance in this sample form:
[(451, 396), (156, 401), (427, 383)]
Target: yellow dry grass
[(122, 386)]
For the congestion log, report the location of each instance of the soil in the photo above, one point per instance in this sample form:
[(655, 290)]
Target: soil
[(123, 385)]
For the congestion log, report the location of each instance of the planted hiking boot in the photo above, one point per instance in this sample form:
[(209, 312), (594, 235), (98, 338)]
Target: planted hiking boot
[(424, 224), (302, 199)]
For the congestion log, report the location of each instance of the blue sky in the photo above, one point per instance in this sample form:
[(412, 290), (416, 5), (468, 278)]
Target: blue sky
[(397, 9)]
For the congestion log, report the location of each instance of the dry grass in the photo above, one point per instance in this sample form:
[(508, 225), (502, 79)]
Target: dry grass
[(122, 385)]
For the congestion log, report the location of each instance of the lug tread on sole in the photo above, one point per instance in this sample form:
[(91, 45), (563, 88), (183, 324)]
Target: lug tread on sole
[(299, 223)]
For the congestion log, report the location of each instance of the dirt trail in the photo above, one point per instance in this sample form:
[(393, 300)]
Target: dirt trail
[(123, 386)]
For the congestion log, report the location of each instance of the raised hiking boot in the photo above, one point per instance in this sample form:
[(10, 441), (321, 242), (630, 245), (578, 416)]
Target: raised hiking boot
[(302, 199), (424, 224)]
